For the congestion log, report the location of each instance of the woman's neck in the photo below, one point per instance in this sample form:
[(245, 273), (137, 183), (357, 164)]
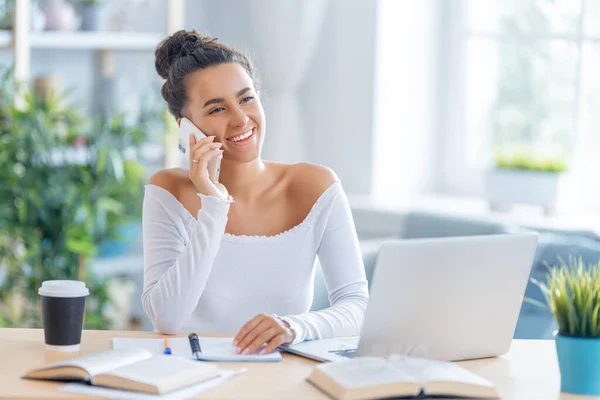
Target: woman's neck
[(244, 181)]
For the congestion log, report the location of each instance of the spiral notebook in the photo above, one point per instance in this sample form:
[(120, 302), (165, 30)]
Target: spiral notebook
[(213, 349)]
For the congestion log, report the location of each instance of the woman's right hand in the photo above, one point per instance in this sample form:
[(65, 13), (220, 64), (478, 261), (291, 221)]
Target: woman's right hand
[(201, 153)]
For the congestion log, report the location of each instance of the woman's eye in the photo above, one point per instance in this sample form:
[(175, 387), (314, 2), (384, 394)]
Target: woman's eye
[(244, 100)]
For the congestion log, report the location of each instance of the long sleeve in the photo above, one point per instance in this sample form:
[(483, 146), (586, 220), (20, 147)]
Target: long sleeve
[(176, 271), (343, 270)]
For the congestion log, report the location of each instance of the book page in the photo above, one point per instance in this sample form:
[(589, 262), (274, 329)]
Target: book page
[(365, 371), (97, 363), (434, 371), (165, 372), (186, 393)]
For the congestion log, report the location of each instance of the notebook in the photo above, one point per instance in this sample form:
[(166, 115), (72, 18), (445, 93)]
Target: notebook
[(129, 369), (409, 377), (213, 349)]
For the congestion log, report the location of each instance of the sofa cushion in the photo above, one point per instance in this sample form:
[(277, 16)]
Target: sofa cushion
[(423, 224)]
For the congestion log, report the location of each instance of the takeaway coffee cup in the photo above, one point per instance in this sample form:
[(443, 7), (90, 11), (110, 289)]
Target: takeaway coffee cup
[(63, 306)]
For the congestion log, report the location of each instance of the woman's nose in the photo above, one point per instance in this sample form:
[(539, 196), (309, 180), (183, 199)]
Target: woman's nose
[(239, 117)]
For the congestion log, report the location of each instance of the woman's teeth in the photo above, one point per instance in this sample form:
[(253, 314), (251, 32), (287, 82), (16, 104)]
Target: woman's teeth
[(241, 137)]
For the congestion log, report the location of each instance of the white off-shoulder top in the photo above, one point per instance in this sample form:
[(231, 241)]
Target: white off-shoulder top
[(199, 278)]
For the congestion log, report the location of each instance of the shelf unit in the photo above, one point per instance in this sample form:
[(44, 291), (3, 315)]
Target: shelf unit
[(22, 41), (86, 40)]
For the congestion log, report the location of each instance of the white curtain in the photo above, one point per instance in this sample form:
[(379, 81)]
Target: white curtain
[(284, 36)]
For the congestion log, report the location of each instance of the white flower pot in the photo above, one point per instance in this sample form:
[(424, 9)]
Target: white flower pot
[(505, 187)]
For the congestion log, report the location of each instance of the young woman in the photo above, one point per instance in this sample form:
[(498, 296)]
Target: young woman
[(239, 256)]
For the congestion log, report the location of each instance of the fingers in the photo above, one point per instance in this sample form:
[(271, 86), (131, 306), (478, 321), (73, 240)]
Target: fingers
[(274, 343), (248, 326), (264, 337), (253, 333), (198, 144), (206, 153), (260, 330)]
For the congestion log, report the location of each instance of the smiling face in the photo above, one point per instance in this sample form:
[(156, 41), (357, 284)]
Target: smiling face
[(222, 102)]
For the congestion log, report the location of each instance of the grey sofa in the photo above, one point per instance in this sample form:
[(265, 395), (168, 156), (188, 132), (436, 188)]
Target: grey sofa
[(534, 322)]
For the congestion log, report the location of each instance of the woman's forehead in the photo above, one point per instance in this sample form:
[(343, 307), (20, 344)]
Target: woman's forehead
[(218, 81)]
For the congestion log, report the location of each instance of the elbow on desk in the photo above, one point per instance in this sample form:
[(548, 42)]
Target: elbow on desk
[(163, 322)]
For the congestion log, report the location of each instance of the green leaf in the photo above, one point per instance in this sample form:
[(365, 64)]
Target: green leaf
[(21, 210), (535, 302), (117, 164), (102, 159), (110, 205), (595, 324), (84, 247)]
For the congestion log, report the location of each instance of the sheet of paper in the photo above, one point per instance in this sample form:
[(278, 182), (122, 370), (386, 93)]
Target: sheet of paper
[(185, 393), (213, 349)]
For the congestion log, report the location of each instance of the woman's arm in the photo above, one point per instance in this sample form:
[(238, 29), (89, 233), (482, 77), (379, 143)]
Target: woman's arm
[(175, 272), (343, 270)]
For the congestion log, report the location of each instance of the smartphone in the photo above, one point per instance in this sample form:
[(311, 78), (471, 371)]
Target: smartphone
[(185, 128)]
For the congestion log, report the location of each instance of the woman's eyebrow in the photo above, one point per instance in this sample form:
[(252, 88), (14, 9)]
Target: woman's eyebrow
[(220, 99)]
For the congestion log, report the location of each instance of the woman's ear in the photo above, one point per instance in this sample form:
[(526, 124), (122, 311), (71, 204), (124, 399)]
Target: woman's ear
[(179, 121)]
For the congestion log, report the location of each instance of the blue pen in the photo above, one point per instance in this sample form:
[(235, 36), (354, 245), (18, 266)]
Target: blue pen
[(167, 348)]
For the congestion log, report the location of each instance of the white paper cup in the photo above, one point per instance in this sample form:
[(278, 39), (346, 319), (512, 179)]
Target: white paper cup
[(63, 309)]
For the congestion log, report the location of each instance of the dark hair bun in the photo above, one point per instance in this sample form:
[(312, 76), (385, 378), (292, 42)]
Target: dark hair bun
[(178, 45)]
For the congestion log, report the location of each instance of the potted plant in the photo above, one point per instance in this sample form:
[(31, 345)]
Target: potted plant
[(521, 177), (572, 293), (56, 207)]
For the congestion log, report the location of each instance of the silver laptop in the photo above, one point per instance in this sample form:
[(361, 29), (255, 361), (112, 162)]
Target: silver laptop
[(446, 298)]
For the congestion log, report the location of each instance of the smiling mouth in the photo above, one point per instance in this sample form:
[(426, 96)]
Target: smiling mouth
[(244, 137)]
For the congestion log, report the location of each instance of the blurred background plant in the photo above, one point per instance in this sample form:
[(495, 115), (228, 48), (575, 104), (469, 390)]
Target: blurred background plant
[(527, 160), (68, 182)]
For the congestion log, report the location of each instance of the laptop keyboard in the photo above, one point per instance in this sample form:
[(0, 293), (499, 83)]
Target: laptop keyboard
[(348, 353)]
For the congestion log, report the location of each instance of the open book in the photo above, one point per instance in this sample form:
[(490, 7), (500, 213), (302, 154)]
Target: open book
[(374, 378), (129, 369)]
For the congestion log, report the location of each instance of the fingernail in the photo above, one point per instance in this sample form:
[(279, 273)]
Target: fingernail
[(263, 351), (235, 343), (220, 151), (237, 350), (246, 352)]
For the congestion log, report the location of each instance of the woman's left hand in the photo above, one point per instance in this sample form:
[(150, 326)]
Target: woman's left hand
[(260, 330)]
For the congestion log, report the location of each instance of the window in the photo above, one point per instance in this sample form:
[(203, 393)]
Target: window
[(523, 74)]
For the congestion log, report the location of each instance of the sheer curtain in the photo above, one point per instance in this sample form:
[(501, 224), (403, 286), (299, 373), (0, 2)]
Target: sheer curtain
[(284, 37)]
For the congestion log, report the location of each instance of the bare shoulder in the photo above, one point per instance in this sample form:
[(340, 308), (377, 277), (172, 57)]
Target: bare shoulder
[(310, 180), (173, 180)]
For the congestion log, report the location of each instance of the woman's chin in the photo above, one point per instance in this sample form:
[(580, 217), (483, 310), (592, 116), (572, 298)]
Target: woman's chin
[(243, 152), (242, 156)]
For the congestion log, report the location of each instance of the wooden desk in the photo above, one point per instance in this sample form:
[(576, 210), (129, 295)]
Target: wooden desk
[(528, 372)]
